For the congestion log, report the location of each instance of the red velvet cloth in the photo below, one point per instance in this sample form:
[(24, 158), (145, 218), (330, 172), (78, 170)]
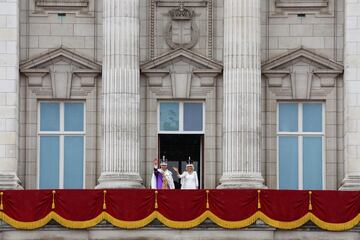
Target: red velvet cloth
[(284, 205), (181, 205), (233, 205)]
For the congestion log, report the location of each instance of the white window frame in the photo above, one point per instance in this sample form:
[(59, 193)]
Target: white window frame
[(300, 134), (62, 133), (181, 117)]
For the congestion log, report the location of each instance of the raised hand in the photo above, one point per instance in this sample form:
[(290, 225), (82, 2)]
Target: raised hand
[(176, 169), (156, 162)]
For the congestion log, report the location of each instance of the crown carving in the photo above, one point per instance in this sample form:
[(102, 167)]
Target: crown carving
[(181, 13)]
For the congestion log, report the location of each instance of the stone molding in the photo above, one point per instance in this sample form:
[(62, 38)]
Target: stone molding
[(80, 7), (293, 4), (37, 68), (281, 69), (57, 54), (284, 7), (199, 60), (158, 69)]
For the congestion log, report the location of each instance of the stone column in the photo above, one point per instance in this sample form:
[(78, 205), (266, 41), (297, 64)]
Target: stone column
[(121, 85), (242, 89), (9, 93), (352, 96)]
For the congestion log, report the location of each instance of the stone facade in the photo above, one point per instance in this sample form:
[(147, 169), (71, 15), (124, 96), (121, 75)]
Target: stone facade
[(181, 57), (193, 50)]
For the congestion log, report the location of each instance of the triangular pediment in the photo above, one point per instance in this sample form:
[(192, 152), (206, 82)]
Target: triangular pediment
[(181, 55), (293, 57), (58, 55)]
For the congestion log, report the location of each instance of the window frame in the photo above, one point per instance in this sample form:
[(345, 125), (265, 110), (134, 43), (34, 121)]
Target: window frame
[(300, 134), (62, 134), (181, 117)]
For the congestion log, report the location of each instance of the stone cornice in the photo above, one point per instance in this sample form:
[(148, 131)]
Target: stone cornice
[(280, 61), (181, 53), (58, 54)]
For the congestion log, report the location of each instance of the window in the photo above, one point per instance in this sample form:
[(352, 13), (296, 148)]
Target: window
[(61, 145), (300, 145), (181, 117)]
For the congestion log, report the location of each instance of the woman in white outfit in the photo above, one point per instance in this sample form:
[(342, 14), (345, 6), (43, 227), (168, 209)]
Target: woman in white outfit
[(189, 178)]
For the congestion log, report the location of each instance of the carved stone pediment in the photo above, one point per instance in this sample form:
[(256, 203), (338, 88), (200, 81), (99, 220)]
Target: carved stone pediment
[(179, 67), (296, 70), (59, 66)]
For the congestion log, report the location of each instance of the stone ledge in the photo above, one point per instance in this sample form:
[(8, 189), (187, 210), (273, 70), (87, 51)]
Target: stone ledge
[(301, 4)]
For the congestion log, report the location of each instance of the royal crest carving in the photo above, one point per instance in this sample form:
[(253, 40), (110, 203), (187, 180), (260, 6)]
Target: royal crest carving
[(182, 31)]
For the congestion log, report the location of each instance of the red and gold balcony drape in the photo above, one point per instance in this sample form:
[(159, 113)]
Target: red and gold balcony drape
[(181, 209)]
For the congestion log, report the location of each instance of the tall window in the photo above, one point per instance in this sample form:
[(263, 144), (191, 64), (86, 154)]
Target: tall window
[(61, 145), (181, 117), (300, 145)]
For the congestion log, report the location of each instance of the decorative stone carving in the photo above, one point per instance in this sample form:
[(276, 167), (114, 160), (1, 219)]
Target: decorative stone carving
[(165, 80), (293, 73), (181, 31), (61, 65)]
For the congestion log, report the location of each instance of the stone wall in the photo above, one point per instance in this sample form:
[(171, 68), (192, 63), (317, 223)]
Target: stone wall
[(285, 25)]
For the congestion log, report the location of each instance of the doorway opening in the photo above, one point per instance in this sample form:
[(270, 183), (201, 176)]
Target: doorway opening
[(177, 148)]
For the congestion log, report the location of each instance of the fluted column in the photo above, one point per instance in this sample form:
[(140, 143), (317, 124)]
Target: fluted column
[(121, 83), (242, 89), (9, 92), (352, 96)]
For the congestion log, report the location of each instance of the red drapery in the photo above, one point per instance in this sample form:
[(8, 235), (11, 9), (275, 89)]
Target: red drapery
[(130, 208)]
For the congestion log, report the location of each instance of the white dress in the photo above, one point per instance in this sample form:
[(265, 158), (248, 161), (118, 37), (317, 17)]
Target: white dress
[(189, 181)]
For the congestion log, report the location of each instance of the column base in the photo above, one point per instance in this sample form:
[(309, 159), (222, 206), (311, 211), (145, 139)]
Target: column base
[(242, 181), (117, 180), (350, 183), (10, 181)]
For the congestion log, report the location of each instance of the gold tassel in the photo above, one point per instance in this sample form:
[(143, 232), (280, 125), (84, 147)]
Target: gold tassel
[(53, 200), (104, 204), (1, 201), (156, 202), (310, 204), (259, 203), (207, 199)]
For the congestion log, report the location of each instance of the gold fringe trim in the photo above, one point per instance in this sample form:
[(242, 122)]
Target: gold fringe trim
[(130, 224), (180, 224), (284, 225), (53, 200), (104, 201), (233, 224)]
